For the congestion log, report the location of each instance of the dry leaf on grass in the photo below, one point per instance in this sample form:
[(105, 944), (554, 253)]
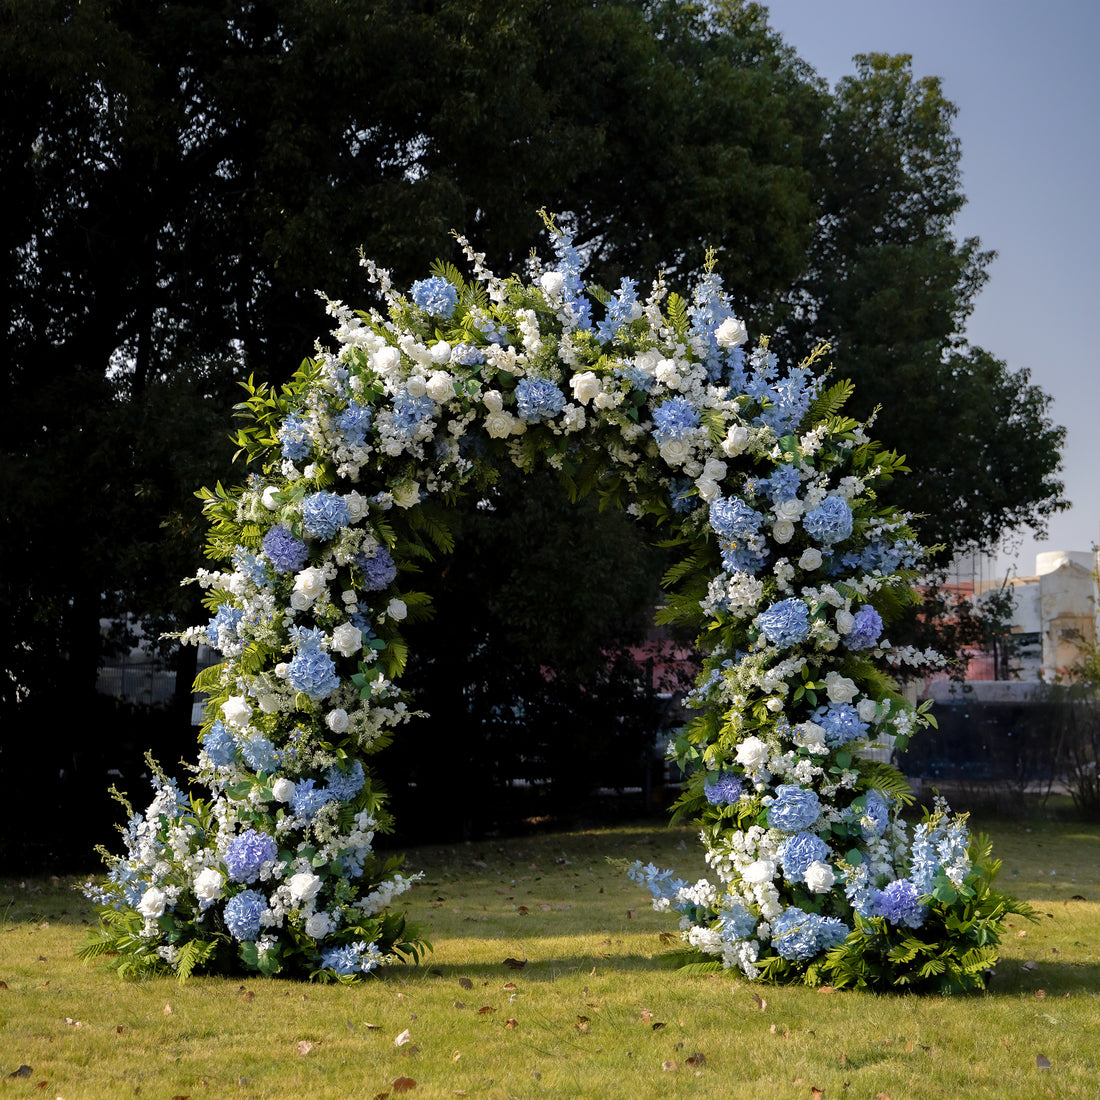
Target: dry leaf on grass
[(404, 1084), (697, 1059), (167, 1010), (511, 1024), (515, 964), (465, 983), (22, 1071), (1042, 1062), (304, 1046), (402, 1039), (670, 1065), (760, 1002), (816, 1093)]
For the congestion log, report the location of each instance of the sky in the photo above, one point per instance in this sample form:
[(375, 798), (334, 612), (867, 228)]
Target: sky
[(1026, 83)]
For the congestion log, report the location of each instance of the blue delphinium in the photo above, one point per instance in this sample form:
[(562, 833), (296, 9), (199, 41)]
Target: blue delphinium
[(721, 788), (538, 399), (866, 629), (354, 422), (795, 808), (435, 296), (242, 915), (250, 566), (621, 310), (293, 435), (312, 672), (222, 631), (785, 623), (737, 923), (800, 935), (323, 514), (830, 522), (797, 852), (575, 302), (379, 569), (286, 553), (219, 745), (355, 958), (841, 724), (247, 852), (899, 903), (675, 418)]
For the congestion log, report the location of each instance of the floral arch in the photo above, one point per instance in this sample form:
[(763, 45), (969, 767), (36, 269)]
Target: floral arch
[(791, 565)]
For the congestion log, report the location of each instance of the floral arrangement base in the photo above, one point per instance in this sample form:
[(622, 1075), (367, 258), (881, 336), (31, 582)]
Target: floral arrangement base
[(792, 566)]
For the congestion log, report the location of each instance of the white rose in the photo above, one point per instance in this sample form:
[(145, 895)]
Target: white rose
[(752, 752), (840, 688), (646, 361), (553, 285), (714, 469), (845, 620), (810, 560), (782, 530), (310, 582), (300, 602), (347, 639), (441, 352), (268, 498), (208, 884), (357, 505), (499, 424), (319, 925), (397, 609), (303, 886), (416, 386), (441, 386), (385, 360), (675, 451), (407, 494), (819, 877), (492, 400), (269, 703), (763, 870), (237, 710), (867, 710), (282, 790), (809, 735), (282, 669), (337, 720), (731, 333), (152, 903), (737, 439), (708, 488), (789, 509), (668, 374), (585, 386)]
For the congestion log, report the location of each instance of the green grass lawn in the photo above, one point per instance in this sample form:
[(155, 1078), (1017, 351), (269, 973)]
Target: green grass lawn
[(593, 1011)]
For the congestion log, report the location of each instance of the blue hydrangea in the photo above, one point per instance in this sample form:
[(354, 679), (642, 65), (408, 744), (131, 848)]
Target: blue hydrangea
[(260, 754), (345, 785), (467, 355), (219, 745), (866, 629), (621, 310), (313, 673), (899, 903), (873, 813), (286, 553), (379, 570), (354, 422), (435, 296), (737, 923), (721, 788), (782, 485), (242, 915), (743, 557), (795, 808), (830, 522), (222, 631), (408, 412), (732, 518), (308, 798), (538, 399), (841, 724), (323, 514), (675, 418), (785, 623), (797, 852), (295, 439), (247, 852), (799, 935), (682, 494), (859, 891), (636, 377)]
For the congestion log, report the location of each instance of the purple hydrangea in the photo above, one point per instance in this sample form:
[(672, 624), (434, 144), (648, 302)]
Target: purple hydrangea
[(722, 788), (294, 437), (674, 419), (313, 673), (794, 809), (785, 623), (323, 514), (841, 724), (538, 399), (866, 628), (435, 296), (286, 553), (797, 852), (379, 570), (799, 935), (354, 422), (247, 852), (830, 522), (242, 915), (899, 903)]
